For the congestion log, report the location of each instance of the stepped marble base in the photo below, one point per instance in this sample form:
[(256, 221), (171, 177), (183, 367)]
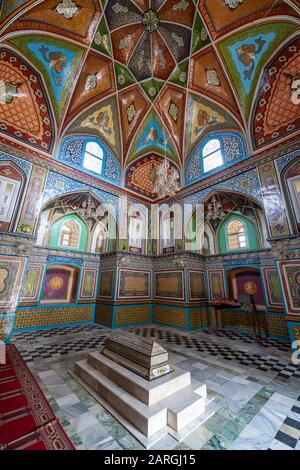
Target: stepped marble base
[(171, 404)]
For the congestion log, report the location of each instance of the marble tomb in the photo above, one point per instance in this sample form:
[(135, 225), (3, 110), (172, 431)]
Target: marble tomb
[(133, 379)]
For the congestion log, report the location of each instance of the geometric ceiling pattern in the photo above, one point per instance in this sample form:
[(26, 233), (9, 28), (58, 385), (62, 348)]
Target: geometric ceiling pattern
[(151, 78)]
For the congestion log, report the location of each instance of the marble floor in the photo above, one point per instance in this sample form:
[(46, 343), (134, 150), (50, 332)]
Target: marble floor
[(255, 386)]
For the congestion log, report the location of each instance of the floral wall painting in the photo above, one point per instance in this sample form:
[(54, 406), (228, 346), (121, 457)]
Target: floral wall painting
[(216, 284), (197, 286), (290, 275), (88, 284), (245, 55), (31, 284), (11, 271), (273, 287)]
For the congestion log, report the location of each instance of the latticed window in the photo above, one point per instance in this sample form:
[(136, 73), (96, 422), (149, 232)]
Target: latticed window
[(236, 234), (70, 234), (212, 155), (93, 157)]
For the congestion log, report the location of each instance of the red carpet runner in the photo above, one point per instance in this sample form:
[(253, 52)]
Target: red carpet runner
[(27, 421)]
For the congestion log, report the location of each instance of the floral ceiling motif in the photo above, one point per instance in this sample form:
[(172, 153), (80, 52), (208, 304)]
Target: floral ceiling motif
[(150, 38), (150, 78)]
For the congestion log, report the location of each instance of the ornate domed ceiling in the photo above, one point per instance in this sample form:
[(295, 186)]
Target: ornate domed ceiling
[(150, 78)]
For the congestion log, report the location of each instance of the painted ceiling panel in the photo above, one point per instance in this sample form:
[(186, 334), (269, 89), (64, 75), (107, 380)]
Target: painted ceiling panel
[(163, 61), (203, 117), (245, 54), (100, 120), (13, 6), (58, 62), (181, 11), (207, 77), (95, 82), (24, 108), (76, 22), (277, 111), (223, 16), (133, 107), (171, 106), (152, 136), (125, 41)]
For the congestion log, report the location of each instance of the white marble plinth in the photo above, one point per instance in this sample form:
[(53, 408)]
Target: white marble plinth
[(171, 402)]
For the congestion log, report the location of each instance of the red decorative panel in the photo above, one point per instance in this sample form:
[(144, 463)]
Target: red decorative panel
[(95, 82), (277, 111), (48, 16), (24, 110), (133, 108), (171, 105), (223, 16), (207, 77)]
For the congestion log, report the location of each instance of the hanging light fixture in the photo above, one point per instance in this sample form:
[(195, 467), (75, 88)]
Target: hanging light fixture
[(166, 182), (165, 178)]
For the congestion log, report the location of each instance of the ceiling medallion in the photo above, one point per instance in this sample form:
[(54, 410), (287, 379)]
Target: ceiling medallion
[(119, 8), (173, 111), (182, 5), (131, 112), (67, 8), (233, 3), (212, 78), (91, 82), (150, 21), (166, 180)]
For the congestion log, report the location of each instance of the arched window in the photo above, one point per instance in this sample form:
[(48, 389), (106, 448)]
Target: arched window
[(236, 235), (212, 155), (70, 234), (93, 157)]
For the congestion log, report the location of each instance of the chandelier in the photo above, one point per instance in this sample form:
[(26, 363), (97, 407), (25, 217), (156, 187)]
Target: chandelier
[(166, 180), (85, 206), (215, 210)]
